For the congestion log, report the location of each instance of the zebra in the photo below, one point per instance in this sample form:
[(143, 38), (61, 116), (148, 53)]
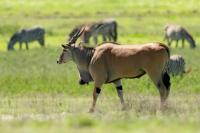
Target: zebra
[(106, 28), (176, 33), (176, 65), (26, 36)]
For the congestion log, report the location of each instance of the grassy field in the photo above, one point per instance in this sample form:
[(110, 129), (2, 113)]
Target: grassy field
[(37, 95)]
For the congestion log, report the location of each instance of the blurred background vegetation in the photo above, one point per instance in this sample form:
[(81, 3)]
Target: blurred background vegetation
[(37, 95)]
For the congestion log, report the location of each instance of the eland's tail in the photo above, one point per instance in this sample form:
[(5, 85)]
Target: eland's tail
[(166, 80)]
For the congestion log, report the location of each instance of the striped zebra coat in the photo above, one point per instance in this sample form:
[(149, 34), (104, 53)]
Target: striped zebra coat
[(176, 65), (106, 28), (176, 33), (26, 36)]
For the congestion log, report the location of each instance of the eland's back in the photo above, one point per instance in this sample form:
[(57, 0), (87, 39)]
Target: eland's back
[(127, 61)]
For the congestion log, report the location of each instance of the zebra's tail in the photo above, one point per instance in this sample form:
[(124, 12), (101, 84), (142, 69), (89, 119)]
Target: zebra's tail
[(188, 70)]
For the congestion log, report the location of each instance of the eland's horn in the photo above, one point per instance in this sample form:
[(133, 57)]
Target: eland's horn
[(76, 36)]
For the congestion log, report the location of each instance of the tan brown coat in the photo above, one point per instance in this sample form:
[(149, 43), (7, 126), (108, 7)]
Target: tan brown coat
[(111, 62)]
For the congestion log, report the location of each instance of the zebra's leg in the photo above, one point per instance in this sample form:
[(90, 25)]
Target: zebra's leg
[(96, 93), (119, 88), (86, 38), (181, 74), (169, 42), (110, 38), (27, 46), (20, 46), (183, 43), (176, 43), (95, 40), (104, 38), (164, 38)]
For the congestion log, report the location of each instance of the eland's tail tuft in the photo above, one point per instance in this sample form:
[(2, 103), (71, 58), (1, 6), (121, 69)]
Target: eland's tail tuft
[(166, 80)]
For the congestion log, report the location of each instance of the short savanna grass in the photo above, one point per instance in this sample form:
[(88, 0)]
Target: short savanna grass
[(37, 95)]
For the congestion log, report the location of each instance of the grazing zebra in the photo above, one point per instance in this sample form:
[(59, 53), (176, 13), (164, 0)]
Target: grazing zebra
[(176, 65), (106, 28), (176, 33), (26, 36)]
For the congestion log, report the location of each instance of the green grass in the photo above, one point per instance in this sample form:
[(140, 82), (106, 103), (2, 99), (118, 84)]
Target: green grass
[(37, 95), (61, 113)]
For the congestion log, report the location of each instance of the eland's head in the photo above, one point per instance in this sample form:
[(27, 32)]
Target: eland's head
[(66, 54)]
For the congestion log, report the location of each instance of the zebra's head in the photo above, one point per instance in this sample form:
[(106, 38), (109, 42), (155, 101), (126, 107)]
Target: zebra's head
[(13, 40), (191, 41), (193, 44)]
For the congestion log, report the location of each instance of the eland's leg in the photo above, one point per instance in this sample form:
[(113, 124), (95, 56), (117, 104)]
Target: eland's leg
[(119, 88), (164, 92), (164, 88), (99, 77), (162, 82), (96, 93)]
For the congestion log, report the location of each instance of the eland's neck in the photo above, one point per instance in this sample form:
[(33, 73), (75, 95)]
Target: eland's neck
[(82, 57)]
